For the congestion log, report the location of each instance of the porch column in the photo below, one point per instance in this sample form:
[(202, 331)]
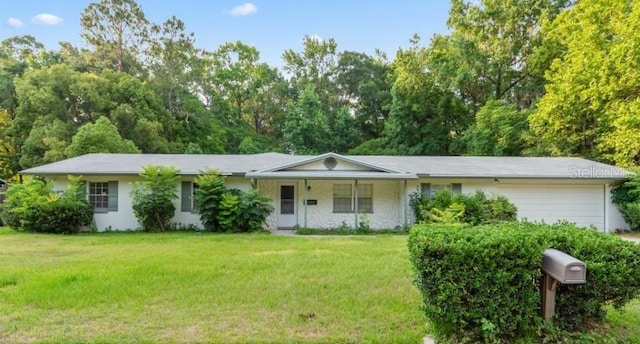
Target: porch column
[(356, 203), (404, 203), (304, 201)]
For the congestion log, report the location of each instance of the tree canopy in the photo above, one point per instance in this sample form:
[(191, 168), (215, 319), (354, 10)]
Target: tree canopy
[(513, 77)]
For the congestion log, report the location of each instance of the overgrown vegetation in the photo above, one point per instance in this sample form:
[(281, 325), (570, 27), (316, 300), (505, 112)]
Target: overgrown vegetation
[(33, 206), (474, 209), (152, 198), (534, 84), (229, 210), (461, 270), (627, 197)]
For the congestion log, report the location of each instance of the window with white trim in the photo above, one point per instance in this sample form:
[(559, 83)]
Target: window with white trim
[(344, 198), (98, 195)]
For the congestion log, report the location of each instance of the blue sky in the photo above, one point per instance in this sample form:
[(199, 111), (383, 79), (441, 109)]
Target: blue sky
[(270, 25)]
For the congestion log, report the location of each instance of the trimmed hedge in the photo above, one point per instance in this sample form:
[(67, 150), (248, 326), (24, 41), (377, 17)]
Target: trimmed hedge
[(482, 283), (61, 216)]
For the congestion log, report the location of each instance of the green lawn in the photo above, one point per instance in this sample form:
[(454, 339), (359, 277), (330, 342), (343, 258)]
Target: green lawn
[(187, 287)]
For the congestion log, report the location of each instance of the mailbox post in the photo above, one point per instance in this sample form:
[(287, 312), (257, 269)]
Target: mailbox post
[(558, 266)]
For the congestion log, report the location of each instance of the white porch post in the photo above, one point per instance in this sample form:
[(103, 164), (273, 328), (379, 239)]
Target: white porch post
[(306, 186), (607, 209), (356, 203), (404, 203)]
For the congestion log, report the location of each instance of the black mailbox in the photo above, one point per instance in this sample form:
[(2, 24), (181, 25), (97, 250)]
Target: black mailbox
[(563, 267)]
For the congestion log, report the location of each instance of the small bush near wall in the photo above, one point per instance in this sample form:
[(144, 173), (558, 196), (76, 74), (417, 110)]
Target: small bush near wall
[(229, 210), (153, 197), (61, 216), (475, 209), (481, 284), (33, 206)]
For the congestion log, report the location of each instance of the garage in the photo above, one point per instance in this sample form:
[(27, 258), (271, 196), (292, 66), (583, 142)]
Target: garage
[(581, 204)]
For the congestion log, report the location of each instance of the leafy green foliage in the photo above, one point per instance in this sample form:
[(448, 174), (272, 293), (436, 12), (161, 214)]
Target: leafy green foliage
[(20, 197), (208, 196), (253, 210), (153, 197), (34, 207), (590, 107), (459, 270), (306, 130), (64, 215), (474, 209), (626, 196), (100, 137), (498, 130), (229, 210)]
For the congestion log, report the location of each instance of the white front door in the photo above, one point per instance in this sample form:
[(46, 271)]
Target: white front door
[(287, 206)]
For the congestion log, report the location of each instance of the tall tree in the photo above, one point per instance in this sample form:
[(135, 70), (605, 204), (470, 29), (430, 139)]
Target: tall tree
[(364, 87), (499, 130), (488, 54), (592, 107), (305, 128), (99, 137), (119, 32), (424, 118), (315, 66)]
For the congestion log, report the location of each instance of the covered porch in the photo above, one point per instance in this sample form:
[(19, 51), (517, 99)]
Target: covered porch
[(331, 191)]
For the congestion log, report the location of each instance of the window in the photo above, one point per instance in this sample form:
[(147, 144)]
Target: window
[(99, 195), (430, 190), (188, 202), (344, 198), (103, 196), (365, 198)]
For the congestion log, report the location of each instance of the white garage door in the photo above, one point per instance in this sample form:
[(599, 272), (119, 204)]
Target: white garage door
[(581, 204)]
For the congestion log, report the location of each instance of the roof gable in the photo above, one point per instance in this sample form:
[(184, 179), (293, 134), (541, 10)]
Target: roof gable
[(331, 165)]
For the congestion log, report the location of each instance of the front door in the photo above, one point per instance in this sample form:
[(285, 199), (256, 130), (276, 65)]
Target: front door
[(287, 207)]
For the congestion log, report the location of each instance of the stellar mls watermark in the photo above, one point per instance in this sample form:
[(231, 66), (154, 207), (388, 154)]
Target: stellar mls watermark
[(597, 172)]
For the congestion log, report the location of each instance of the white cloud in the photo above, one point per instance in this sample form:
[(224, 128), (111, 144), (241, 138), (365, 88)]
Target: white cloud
[(244, 10), (14, 22), (46, 19)]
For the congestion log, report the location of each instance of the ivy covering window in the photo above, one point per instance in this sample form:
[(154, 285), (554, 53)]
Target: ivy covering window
[(344, 198)]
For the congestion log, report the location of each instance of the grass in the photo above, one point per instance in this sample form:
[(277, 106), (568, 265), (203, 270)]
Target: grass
[(187, 287)]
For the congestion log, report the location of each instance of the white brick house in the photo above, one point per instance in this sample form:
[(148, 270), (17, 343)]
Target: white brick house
[(324, 191)]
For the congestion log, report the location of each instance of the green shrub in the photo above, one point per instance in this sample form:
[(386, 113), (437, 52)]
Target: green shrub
[(33, 206), (208, 195), (477, 208), (229, 210), (254, 208), (153, 197), (482, 283), (64, 215)]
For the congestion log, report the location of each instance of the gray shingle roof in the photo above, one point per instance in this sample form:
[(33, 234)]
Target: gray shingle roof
[(432, 166)]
